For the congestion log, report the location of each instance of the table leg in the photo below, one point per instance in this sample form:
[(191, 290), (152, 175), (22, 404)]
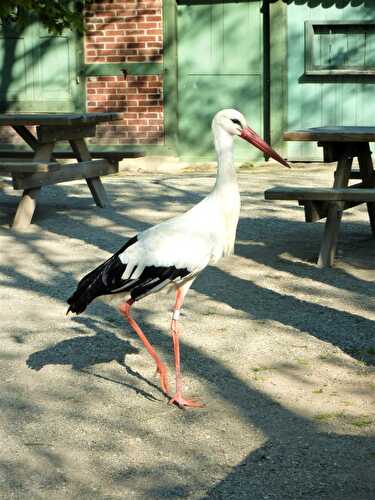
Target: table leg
[(94, 183), (26, 206), (25, 209), (368, 177), (26, 135), (332, 226)]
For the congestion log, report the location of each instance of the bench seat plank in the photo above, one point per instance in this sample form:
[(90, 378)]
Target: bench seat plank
[(113, 155), (332, 134), (69, 172), (58, 119), (320, 194), (28, 166)]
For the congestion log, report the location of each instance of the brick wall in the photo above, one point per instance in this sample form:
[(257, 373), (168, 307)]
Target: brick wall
[(122, 31), (140, 100), (127, 31)]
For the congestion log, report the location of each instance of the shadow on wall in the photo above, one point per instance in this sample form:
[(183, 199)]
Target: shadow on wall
[(219, 66)]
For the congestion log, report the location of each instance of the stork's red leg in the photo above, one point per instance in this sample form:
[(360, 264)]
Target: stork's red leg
[(178, 398), (160, 366)]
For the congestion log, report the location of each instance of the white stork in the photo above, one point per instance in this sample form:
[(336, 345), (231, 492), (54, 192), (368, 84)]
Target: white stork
[(177, 250)]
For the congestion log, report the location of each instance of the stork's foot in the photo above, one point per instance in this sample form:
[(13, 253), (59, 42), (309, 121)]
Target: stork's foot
[(162, 371), (180, 401)]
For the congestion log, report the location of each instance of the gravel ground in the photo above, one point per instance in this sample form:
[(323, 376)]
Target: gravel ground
[(282, 353)]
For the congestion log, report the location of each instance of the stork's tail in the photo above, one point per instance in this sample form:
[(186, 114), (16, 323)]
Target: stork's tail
[(79, 301), (101, 281), (81, 298)]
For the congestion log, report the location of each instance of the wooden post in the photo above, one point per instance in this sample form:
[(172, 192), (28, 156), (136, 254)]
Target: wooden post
[(332, 226), (95, 184), (26, 206), (368, 178)]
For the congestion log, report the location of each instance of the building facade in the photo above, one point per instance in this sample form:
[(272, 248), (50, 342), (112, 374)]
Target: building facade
[(169, 65)]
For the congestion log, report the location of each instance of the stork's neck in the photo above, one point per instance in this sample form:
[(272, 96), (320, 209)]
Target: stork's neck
[(226, 173), (226, 192)]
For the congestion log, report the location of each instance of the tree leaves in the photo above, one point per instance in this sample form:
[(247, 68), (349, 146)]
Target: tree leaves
[(55, 15)]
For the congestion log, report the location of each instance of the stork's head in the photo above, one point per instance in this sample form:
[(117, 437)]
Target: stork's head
[(233, 123)]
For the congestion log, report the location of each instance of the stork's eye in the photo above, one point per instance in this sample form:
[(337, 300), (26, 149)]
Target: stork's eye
[(237, 122)]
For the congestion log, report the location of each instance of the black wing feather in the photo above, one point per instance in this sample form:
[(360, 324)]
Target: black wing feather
[(106, 279)]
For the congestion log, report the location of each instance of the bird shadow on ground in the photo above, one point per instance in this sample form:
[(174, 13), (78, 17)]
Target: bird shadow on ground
[(86, 351), (82, 352)]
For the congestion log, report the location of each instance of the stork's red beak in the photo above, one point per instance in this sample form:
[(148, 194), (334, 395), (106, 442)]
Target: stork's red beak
[(254, 139)]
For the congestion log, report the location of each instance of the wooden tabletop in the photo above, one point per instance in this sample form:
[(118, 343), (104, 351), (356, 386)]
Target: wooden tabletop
[(66, 119), (332, 134)]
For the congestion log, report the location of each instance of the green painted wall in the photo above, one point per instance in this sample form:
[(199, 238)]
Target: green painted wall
[(317, 100), (39, 71), (219, 52), (214, 58)]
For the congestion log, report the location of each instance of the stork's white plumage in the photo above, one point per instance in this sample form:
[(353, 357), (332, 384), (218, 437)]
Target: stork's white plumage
[(177, 250)]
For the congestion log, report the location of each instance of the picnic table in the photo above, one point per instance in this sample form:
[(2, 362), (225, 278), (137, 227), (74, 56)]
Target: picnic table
[(340, 144), (38, 167)]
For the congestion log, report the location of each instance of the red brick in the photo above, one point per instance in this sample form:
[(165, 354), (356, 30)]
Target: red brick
[(148, 26), (136, 59), (115, 59), (113, 85), (157, 32), (127, 52), (126, 31), (136, 45), (115, 32), (107, 78)]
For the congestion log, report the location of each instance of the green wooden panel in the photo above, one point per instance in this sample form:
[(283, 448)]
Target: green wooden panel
[(319, 100), (370, 49), (323, 52), (170, 87), (242, 26), (279, 70), (356, 43), (39, 71), (338, 44), (15, 61), (338, 47), (54, 74), (219, 65)]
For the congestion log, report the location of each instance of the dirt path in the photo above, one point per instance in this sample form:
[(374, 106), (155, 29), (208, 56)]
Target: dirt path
[(282, 352)]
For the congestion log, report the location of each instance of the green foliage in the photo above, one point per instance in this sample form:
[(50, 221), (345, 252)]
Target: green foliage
[(55, 15)]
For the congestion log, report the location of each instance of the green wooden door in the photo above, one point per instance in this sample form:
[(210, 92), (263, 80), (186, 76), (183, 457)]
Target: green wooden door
[(219, 66), (328, 47), (39, 72)]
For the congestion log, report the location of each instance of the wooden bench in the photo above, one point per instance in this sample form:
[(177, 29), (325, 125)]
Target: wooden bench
[(316, 200), (14, 167), (38, 167), (340, 144), (31, 174), (355, 174), (110, 155), (359, 194)]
